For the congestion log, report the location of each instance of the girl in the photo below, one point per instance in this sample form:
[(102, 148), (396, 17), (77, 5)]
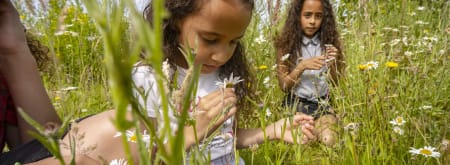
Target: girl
[(216, 26), (307, 48)]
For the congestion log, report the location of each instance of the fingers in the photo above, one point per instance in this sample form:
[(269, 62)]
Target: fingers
[(225, 96)]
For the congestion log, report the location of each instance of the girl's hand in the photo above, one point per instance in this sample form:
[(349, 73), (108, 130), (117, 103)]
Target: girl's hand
[(13, 36), (314, 63), (213, 110), (331, 52), (303, 122)]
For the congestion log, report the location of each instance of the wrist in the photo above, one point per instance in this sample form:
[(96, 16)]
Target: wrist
[(271, 131)]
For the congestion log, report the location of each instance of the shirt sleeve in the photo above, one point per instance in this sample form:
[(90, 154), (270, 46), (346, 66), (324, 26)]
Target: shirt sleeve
[(146, 89)]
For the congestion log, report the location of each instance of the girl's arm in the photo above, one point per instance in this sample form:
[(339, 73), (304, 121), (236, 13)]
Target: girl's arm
[(20, 70), (288, 78), (281, 130)]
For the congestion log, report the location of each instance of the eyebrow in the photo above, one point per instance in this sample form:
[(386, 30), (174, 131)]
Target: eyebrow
[(216, 34)]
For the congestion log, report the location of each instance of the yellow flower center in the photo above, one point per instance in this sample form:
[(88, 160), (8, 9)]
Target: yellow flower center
[(399, 119), (425, 152), (262, 67), (133, 138), (362, 67)]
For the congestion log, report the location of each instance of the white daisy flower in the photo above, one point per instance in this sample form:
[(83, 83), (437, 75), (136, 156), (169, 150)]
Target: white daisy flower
[(71, 88), (425, 151), (372, 65), (132, 137), (285, 57), (408, 53), (118, 162), (398, 130), (425, 107), (266, 82), (268, 112), (260, 39), (398, 121), (229, 82)]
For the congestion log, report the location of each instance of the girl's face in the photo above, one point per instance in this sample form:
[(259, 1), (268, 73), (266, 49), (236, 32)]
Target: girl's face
[(311, 17), (214, 32)]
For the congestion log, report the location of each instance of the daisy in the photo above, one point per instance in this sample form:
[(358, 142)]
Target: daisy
[(132, 137), (398, 130), (391, 64), (372, 65), (260, 39), (425, 151), (229, 82), (398, 121), (118, 162)]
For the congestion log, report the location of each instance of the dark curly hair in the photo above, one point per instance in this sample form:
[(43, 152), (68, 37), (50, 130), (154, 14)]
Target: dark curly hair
[(179, 10), (288, 41), (39, 51)]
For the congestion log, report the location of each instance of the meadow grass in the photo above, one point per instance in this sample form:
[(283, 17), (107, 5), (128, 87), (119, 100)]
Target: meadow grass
[(409, 40)]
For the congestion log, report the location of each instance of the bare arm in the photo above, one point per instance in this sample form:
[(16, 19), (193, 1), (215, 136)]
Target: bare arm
[(19, 68), (289, 78), (280, 130)]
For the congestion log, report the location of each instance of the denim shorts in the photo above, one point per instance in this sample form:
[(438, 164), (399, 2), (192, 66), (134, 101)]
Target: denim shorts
[(308, 107)]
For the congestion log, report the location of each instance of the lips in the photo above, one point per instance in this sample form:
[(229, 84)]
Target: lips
[(209, 68)]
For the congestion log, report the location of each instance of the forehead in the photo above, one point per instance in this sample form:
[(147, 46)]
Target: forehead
[(312, 5), (221, 16)]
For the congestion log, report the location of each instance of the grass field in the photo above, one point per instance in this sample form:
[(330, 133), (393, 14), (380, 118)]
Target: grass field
[(394, 97)]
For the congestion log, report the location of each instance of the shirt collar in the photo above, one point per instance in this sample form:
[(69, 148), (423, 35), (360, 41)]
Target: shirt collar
[(315, 40)]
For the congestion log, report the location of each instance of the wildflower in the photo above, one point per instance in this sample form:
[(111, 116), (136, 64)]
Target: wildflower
[(229, 82), (398, 130), (372, 65), (266, 82), (268, 113), (262, 67), (425, 151), (391, 64), (260, 39), (285, 57), (70, 88), (351, 126), (408, 53), (398, 121), (132, 137), (421, 8), (425, 107), (254, 147), (118, 162), (57, 98), (362, 67)]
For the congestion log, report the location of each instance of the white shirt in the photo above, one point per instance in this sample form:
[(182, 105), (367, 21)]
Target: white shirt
[(313, 83), (144, 79)]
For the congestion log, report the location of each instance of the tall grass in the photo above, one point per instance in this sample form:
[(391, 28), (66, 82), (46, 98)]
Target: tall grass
[(413, 34)]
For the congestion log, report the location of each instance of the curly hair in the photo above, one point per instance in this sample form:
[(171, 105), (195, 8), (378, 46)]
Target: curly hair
[(288, 41), (179, 10), (39, 51)]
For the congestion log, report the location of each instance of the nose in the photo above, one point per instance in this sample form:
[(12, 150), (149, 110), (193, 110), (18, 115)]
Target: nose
[(222, 54)]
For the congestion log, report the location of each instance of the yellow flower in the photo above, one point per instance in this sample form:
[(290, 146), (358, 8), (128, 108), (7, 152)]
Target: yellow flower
[(22, 17), (57, 98), (362, 67), (391, 64), (262, 67)]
